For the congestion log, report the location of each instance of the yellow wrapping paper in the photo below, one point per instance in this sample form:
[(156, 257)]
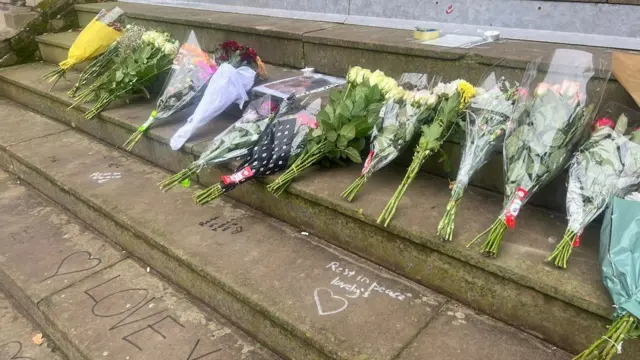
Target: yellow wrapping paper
[(92, 41)]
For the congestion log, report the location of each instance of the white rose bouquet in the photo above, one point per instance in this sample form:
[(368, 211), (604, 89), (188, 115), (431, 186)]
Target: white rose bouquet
[(408, 107)]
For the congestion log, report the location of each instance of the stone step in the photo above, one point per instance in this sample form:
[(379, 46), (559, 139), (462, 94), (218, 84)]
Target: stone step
[(87, 295), (522, 282), (297, 294), (18, 331), (16, 17)]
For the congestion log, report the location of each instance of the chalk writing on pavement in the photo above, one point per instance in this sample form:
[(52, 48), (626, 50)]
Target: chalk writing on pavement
[(351, 285)]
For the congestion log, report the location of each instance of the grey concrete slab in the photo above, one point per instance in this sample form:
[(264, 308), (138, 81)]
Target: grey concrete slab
[(124, 312), (20, 124), (459, 333), (17, 332), (44, 249), (318, 292)]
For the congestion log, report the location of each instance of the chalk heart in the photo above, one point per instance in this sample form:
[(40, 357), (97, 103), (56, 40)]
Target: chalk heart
[(11, 350), (328, 303), (77, 262)]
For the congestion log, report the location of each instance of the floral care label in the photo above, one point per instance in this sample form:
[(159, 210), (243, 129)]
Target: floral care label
[(367, 163), (237, 177), (514, 207), (346, 286), (103, 177)]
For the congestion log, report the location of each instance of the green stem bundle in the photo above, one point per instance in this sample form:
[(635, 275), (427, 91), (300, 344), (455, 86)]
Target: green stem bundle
[(168, 183), (445, 228), (611, 344), (496, 233), (354, 188), (419, 157), (209, 194), (55, 76), (563, 249), (301, 164)]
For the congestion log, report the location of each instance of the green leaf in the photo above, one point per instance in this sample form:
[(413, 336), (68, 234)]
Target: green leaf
[(316, 132), (335, 96), (357, 143), (359, 107), (348, 131), (331, 135), (342, 142), (353, 155)]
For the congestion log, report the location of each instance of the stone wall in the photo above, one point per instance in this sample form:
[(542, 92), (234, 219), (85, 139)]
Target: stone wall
[(18, 47)]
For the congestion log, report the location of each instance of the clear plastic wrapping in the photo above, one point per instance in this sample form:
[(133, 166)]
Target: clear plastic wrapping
[(552, 125), (487, 119), (113, 18), (607, 165), (238, 139), (399, 123), (227, 86), (488, 116), (282, 139)]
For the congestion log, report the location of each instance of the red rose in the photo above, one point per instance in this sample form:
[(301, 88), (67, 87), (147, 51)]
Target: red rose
[(603, 122)]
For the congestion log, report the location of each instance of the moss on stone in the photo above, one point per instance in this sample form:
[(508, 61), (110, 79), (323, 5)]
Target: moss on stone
[(24, 45)]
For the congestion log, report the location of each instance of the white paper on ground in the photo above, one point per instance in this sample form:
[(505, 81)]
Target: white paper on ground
[(227, 86), (452, 40)]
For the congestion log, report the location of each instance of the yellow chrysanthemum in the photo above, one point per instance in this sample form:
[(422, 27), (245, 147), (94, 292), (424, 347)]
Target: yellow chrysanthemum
[(466, 91)]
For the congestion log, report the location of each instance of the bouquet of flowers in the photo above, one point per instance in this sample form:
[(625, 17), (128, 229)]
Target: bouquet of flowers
[(130, 39), (399, 124), (232, 144), (607, 165), (619, 255), (454, 98), (544, 137), (190, 71), (344, 124), (487, 119), (131, 73), (94, 39), (238, 66), (282, 139)]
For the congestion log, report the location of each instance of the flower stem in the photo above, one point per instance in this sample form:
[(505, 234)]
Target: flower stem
[(611, 343), (445, 228), (178, 178), (496, 233), (209, 194), (389, 211), (301, 164), (563, 249), (354, 188)]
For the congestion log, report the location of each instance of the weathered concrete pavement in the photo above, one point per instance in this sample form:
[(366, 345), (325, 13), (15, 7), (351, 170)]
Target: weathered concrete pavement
[(296, 294), (17, 332), (91, 299)]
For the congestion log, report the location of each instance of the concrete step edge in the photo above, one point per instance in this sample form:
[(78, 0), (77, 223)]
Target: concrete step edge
[(157, 152)]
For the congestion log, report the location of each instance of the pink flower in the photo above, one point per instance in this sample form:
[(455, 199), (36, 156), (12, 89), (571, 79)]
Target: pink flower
[(556, 89), (542, 88), (603, 122), (522, 93), (570, 88)]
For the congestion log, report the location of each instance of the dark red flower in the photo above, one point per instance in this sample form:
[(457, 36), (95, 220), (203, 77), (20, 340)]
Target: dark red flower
[(252, 52), (230, 45)]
